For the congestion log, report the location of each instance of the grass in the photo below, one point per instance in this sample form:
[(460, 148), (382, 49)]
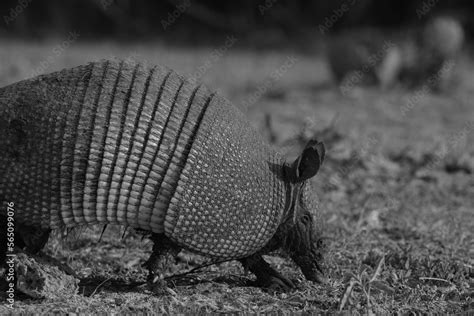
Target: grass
[(396, 191)]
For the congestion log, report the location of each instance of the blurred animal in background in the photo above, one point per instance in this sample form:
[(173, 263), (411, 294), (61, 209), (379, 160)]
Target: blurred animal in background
[(424, 57), (363, 57), (430, 57)]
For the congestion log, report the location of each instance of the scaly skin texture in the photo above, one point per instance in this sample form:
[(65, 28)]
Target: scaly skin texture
[(116, 143)]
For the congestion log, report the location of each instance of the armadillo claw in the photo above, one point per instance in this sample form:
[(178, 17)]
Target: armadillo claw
[(159, 287), (279, 284), (267, 277), (274, 281)]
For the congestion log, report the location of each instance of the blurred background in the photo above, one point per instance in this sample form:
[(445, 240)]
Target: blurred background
[(387, 85), (255, 52), (205, 21)]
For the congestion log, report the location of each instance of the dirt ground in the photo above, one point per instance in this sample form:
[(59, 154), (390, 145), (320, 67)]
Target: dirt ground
[(396, 189)]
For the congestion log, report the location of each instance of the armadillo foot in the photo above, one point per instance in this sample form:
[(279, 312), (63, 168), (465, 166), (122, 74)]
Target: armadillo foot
[(159, 287), (267, 277), (162, 256)]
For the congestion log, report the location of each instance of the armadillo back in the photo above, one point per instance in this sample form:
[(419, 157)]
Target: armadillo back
[(114, 142)]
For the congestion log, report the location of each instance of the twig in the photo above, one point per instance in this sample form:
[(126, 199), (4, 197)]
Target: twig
[(196, 268), (98, 286), (434, 279)]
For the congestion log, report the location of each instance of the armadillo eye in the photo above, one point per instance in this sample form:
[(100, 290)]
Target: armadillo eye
[(306, 219), (322, 243)]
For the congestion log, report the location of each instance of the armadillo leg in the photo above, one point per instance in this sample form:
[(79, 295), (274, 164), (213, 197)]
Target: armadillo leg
[(163, 254), (31, 238), (267, 277), (25, 237)]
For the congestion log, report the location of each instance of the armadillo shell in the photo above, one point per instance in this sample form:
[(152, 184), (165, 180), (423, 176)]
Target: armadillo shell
[(115, 142)]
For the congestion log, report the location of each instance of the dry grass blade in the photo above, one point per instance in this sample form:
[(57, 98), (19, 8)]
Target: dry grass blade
[(347, 294), (378, 270)]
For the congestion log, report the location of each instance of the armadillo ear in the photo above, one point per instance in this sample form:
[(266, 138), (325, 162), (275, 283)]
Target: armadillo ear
[(308, 163)]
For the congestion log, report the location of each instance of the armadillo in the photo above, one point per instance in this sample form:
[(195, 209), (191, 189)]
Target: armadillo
[(115, 142)]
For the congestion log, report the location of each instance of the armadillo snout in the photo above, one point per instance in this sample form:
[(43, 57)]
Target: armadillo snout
[(311, 266)]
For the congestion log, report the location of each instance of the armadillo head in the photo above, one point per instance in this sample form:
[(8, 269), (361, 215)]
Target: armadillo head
[(302, 237)]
